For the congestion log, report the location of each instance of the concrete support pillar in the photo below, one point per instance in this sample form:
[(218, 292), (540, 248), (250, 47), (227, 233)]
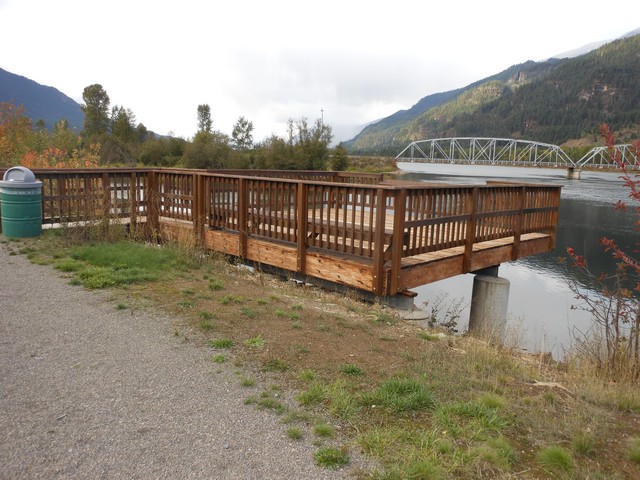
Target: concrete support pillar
[(573, 173), (489, 301)]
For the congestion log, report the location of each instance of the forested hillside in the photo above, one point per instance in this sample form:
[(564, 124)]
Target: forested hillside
[(552, 101), (40, 102)]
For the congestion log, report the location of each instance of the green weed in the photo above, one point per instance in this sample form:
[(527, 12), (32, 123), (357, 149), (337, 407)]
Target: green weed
[(294, 433), (275, 365), (255, 342), (247, 382), (221, 343), (324, 430), (633, 450), (583, 444), (351, 369), (400, 395), (215, 284), (330, 457), (206, 325), (555, 459)]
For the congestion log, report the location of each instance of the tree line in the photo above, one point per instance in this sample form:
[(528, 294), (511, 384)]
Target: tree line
[(111, 137)]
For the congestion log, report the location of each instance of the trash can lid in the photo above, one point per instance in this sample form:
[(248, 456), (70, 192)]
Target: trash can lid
[(19, 177)]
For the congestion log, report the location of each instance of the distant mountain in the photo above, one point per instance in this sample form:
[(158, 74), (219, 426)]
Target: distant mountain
[(551, 101), (40, 102)]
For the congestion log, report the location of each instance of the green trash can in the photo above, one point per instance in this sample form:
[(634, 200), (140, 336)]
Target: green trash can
[(21, 203)]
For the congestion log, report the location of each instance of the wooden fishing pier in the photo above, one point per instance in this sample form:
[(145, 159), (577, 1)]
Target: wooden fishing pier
[(355, 230)]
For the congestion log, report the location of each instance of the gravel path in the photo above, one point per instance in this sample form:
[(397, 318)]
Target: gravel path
[(89, 391)]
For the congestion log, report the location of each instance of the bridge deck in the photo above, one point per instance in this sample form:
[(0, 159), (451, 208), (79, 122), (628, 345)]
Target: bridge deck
[(378, 237)]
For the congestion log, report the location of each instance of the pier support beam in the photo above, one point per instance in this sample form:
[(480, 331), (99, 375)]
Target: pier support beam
[(489, 301), (573, 173)]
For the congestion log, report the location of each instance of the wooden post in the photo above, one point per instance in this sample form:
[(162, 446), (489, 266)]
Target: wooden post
[(378, 254), (242, 217), (106, 203), (397, 240), (152, 196), (470, 232), (302, 224), (554, 218), (133, 201), (198, 208), (519, 221)]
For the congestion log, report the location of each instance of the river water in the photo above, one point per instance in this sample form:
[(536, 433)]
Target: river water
[(542, 314)]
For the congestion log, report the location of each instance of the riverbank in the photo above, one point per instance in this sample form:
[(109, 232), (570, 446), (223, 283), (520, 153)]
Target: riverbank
[(329, 368)]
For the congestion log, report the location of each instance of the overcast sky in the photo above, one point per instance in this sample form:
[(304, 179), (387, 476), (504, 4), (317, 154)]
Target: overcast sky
[(271, 60)]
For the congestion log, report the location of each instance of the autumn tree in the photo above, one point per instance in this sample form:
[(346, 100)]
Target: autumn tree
[(15, 133), (614, 303)]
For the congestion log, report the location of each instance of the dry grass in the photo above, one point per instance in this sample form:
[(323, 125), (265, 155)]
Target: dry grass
[(421, 405)]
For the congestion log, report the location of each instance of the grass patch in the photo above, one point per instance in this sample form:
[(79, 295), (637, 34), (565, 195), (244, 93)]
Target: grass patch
[(266, 401), (400, 395), (221, 343), (187, 304), (247, 382), (219, 358), (583, 444), (215, 284), (324, 430), (294, 433), (68, 265), (204, 315), (227, 299), (352, 370), (330, 457), (121, 306), (556, 460), (314, 395), (255, 342), (632, 451), (275, 365), (248, 312), (206, 325)]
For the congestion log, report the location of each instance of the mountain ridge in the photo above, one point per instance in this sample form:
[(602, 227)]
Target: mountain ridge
[(551, 101), (40, 102)]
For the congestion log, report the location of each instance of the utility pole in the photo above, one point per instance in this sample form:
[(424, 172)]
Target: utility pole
[(322, 117)]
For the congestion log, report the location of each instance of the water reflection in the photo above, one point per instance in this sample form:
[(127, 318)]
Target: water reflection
[(540, 300)]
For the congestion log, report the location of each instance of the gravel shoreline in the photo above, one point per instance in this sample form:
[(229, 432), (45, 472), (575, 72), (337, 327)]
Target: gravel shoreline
[(90, 391)]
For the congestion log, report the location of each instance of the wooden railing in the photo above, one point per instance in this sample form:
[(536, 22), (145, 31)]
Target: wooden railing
[(381, 224)]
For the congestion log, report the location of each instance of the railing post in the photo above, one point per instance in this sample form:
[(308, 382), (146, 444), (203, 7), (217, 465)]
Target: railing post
[(517, 234), (198, 207), (242, 217), (397, 241), (106, 202), (152, 196), (302, 224), (133, 201), (379, 230), (470, 232)]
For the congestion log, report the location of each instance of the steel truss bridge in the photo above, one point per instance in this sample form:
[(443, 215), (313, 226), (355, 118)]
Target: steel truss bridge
[(508, 152)]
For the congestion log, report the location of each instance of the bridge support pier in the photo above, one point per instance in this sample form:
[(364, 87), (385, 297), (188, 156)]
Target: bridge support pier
[(573, 173), (489, 301)]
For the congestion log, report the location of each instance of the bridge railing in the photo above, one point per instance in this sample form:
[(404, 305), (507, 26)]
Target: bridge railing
[(380, 224)]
